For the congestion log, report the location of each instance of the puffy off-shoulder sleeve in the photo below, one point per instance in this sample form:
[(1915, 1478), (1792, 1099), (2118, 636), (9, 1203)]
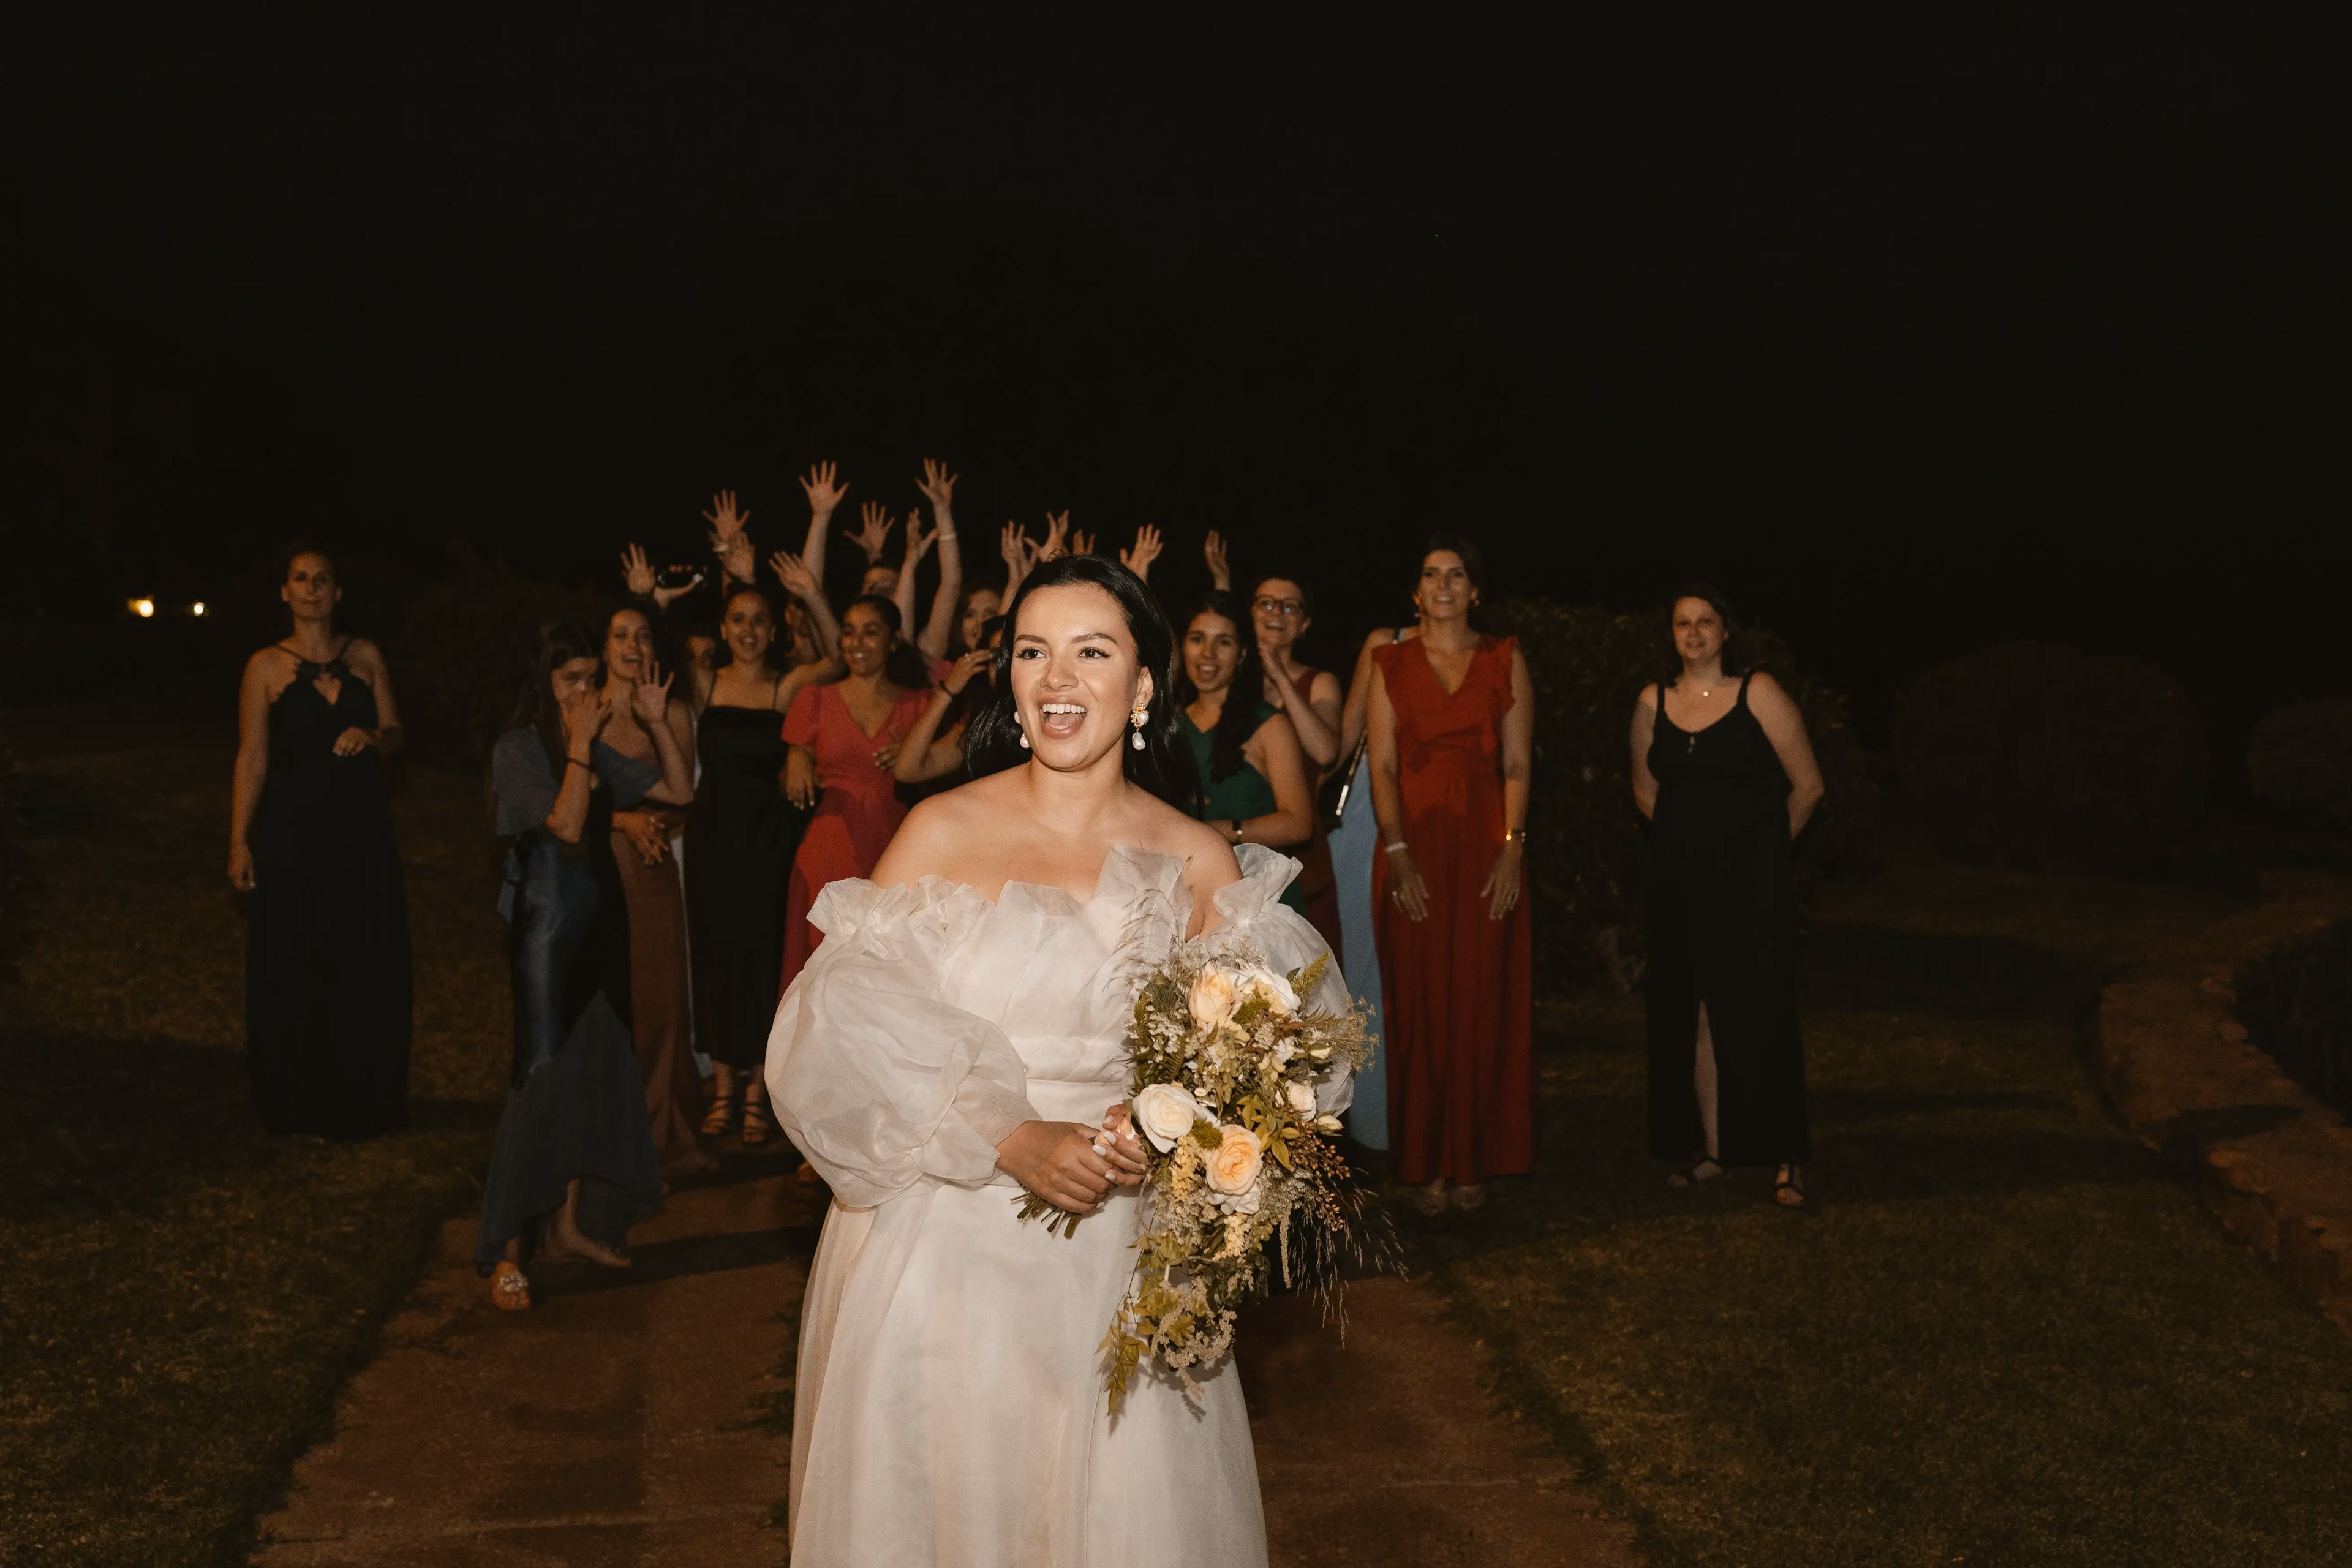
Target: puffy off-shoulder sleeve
[(875, 1078), (1250, 911)]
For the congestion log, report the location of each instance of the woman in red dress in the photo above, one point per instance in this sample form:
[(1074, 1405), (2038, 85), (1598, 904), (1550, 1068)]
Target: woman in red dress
[(1452, 728), (844, 740)]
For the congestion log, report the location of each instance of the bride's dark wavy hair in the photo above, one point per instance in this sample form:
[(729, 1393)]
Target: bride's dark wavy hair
[(1163, 766)]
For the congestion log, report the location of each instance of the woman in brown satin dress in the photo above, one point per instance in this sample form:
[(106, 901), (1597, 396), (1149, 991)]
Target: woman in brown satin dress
[(660, 992)]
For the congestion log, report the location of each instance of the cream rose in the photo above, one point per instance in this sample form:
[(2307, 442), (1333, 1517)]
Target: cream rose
[(1265, 986), (1301, 1097), (1164, 1113), (1212, 998), (1234, 1162)]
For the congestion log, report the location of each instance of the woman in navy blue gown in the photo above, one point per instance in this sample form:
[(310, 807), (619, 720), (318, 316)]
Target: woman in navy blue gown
[(573, 1163), (310, 837)]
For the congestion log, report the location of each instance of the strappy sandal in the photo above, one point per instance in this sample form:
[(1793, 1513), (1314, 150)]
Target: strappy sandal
[(1697, 1172), (510, 1288), (720, 1116), (1789, 1187), (756, 1123)]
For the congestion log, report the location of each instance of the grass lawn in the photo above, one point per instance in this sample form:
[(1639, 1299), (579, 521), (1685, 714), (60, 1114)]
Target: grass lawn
[(2003, 1336), (181, 1295)]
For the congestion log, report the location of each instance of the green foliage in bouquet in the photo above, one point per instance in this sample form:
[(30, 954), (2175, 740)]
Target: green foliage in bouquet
[(1585, 842)]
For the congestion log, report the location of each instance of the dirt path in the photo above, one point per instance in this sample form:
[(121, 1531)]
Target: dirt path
[(635, 1419)]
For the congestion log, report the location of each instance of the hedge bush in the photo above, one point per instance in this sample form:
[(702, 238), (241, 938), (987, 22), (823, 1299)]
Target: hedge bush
[(465, 647), (2034, 754), (1585, 840), (2301, 759)]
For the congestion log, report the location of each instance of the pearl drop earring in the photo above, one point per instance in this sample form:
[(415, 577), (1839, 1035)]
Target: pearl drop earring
[(1137, 719)]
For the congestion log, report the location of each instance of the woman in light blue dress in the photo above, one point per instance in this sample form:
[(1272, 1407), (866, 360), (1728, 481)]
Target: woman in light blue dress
[(1354, 843)]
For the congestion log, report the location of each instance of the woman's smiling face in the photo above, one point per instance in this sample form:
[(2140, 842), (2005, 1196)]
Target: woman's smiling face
[(865, 639), (628, 645), (748, 629), (1213, 650), (1075, 674)]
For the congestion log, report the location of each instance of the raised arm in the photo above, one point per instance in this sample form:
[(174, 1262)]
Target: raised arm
[(1274, 750), (1020, 554), (1353, 716), (939, 489), (1784, 726), (584, 717), (1645, 726), (649, 704), (252, 765), (925, 754), (1147, 550), (1317, 722), (730, 541), (1221, 566), (824, 496), (802, 582)]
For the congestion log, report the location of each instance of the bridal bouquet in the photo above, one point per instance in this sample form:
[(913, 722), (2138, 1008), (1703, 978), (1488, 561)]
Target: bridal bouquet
[(1226, 1065)]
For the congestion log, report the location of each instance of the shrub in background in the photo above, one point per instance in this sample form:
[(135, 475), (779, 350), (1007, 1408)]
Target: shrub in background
[(2301, 759), (1585, 840), (2032, 755), (465, 647)]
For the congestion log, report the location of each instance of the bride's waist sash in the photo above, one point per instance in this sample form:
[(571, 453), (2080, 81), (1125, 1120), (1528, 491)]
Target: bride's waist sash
[(1076, 1099)]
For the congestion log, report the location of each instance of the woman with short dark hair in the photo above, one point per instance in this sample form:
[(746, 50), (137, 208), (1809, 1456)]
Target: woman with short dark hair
[(1723, 769)]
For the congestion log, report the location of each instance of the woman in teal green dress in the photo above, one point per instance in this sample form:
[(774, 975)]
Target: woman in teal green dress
[(1253, 772)]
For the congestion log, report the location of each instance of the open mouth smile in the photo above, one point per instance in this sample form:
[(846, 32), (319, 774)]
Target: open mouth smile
[(1060, 720)]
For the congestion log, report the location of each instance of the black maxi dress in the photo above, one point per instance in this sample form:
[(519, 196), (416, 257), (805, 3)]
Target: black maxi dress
[(1723, 932), (740, 844), (327, 964), (575, 1105)]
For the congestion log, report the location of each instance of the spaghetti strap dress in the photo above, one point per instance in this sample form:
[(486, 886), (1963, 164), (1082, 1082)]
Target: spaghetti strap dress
[(1241, 794), (1723, 932), (857, 815), (327, 960), (1460, 1008), (739, 865)]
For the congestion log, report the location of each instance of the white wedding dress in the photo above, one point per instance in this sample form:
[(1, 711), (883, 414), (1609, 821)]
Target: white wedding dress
[(949, 1406)]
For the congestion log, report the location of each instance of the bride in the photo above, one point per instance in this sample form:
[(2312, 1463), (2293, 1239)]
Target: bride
[(958, 1037)]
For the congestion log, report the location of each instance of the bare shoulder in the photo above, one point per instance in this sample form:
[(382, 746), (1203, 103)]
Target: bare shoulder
[(924, 843), (1207, 858), (1647, 703), (1326, 688), (1766, 693), (362, 654)]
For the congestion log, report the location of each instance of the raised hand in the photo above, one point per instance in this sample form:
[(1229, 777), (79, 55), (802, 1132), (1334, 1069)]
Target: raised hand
[(960, 673), (636, 572), (649, 698), (919, 540), (1058, 533), (1147, 550), (734, 554), (1019, 551), (1082, 542), (1220, 569), (793, 573), (937, 484), (823, 494), (875, 536), (585, 714), (725, 522)]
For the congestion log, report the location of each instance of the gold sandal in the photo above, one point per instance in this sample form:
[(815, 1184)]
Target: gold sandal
[(756, 1123), (720, 1116)]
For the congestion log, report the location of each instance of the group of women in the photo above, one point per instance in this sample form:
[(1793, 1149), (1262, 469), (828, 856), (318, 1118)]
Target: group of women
[(667, 851)]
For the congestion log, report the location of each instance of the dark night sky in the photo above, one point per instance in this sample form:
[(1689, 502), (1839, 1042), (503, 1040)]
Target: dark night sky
[(1914, 338)]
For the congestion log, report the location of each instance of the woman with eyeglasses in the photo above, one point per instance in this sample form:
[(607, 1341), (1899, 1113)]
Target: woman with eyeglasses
[(1281, 609), (1253, 776), (1452, 721)]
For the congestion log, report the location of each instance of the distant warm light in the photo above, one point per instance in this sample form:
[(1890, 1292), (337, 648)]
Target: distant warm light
[(142, 608), (197, 608)]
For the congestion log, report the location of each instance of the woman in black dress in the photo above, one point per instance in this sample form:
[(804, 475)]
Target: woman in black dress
[(1723, 769), (573, 1162), (739, 857), (310, 837)]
